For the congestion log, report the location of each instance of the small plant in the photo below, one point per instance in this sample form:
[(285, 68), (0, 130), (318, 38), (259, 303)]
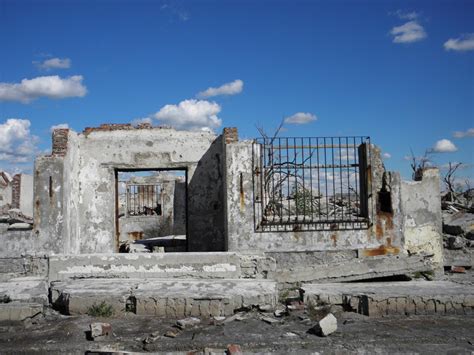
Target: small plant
[(101, 310)]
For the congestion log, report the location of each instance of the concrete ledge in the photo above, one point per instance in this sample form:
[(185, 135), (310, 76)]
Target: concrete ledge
[(25, 289), (395, 298), (18, 311), (353, 269), (145, 265), (166, 298)]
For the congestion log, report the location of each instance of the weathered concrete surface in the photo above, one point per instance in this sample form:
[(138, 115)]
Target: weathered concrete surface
[(23, 266), (421, 210), (78, 221), (18, 311), (166, 298), (145, 265), (353, 269), (25, 289), (462, 257), (395, 298)]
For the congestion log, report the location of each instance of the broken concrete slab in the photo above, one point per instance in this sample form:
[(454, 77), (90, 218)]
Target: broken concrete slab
[(395, 298), (355, 269), (170, 298), (18, 311), (458, 223), (26, 289), (100, 330), (152, 265), (325, 326), (20, 226)]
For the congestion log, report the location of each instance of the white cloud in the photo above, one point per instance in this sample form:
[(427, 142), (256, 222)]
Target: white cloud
[(190, 115), (386, 155), (409, 32), (58, 126), (54, 63), (462, 134), (53, 87), (444, 146), (138, 121), (406, 15), (232, 88), (301, 118), (17, 144), (460, 44)]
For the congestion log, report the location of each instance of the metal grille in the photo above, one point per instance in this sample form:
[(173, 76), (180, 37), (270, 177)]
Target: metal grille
[(307, 184), (143, 200)]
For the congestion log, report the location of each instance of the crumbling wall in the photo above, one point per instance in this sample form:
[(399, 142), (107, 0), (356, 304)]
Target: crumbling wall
[(421, 211), (77, 213), (240, 213)]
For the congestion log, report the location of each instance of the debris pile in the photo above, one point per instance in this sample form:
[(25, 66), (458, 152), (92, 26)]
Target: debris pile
[(14, 219), (458, 229)]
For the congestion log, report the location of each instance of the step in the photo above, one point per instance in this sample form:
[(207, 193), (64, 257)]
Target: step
[(18, 311), (172, 298), (394, 298), (25, 289), (218, 265)]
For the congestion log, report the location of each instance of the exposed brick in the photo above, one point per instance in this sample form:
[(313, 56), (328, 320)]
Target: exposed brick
[(109, 127), (231, 135), (60, 139)]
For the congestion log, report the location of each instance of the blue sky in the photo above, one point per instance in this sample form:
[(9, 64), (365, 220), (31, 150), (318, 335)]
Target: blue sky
[(401, 72)]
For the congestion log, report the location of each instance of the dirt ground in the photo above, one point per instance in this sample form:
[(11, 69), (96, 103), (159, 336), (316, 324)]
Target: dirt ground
[(57, 334)]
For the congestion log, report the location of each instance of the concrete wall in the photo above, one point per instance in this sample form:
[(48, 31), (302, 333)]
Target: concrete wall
[(421, 211), (81, 210), (240, 214), (26, 195), (5, 195)]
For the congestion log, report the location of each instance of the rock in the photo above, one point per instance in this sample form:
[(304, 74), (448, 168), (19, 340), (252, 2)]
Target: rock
[(270, 320), (172, 333), (100, 330), (325, 326), (456, 242), (290, 335), (265, 308), (296, 306), (234, 349), (459, 223), (458, 270), (19, 226), (279, 312), (188, 322)]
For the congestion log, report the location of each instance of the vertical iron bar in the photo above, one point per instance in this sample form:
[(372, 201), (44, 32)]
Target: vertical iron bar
[(333, 177), (340, 177), (311, 178), (348, 180), (326, 180)]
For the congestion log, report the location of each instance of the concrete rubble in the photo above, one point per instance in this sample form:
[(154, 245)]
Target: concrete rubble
[(325, 326)]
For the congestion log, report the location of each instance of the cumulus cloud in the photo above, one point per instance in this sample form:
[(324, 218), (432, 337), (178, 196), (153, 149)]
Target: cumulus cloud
[(58, 126), (232, 88), (17, 144), (462, 134), (190, 115), (54, 63), (444, 146), (386, 155), (460, 44), (409, 32), (301, 118), (53, 87)]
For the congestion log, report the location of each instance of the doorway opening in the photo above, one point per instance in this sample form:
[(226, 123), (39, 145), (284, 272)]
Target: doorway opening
[(151, 210)]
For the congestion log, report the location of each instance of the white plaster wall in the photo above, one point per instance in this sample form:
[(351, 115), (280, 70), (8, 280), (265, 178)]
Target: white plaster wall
[(6, 194), (421, 209), (240, 216), (100, 153), (26, 195)]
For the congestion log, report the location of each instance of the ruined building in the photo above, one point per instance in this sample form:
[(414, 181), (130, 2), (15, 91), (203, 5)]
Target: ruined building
[(274, 211)]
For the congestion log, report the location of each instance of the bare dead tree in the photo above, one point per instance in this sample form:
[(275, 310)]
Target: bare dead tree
[(449, 180), (418, 164)]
